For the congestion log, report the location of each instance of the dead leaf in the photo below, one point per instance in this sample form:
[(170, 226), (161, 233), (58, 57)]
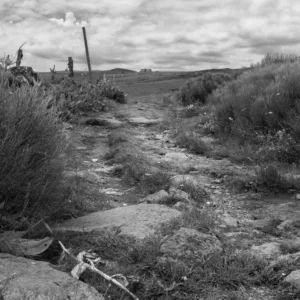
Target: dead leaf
[(22, 247)]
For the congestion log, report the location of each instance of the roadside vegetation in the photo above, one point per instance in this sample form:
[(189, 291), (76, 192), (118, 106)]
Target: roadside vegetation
[(34, 145), (255, 118)]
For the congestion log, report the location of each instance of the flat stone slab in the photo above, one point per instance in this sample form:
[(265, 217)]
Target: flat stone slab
[(138, 220), (27, 279), (176, 156), (143, 121)]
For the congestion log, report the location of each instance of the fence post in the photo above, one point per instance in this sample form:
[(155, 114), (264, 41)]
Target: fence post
[(19, 58), (87, 54), (70, 65)]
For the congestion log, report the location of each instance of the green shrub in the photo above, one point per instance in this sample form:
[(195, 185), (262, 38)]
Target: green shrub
[(278, 58), (197, 90), (32, 146), (279, 146), (263, 100)]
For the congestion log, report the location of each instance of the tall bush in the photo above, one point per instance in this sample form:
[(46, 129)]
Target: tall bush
[(32, 147), (196, 90)]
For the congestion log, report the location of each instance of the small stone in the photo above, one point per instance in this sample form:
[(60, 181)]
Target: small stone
[(230, 221), (179, 195), (181, 206), (267, 250), (194, 172), (218, 181), (216, 192), (160, 197)]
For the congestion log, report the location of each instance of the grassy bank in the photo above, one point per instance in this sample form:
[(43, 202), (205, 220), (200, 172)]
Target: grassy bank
[(254, 118)]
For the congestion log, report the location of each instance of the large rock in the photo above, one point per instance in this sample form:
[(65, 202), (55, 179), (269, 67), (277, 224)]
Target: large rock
[(294, 279), (188, 242), (27, 279), (138, 220)]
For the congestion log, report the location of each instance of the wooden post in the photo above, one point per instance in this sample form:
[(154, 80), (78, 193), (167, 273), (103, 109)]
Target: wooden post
[(70, 65), (87, 54), (19, 58)]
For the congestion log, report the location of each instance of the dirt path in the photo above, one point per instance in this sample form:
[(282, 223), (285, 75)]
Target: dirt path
[(102, 190), (245, 219)]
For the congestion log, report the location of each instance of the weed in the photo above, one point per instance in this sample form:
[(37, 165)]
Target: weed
[(270, 177), (116, 138)]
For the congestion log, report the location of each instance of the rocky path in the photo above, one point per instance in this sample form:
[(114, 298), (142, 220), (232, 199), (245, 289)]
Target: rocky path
[(248, 221), (264, 225)]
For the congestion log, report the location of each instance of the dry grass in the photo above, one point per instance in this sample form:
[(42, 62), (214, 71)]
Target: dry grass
[(32, 146)]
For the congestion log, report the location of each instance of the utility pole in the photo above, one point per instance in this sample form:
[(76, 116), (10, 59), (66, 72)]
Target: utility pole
[(87, 54)]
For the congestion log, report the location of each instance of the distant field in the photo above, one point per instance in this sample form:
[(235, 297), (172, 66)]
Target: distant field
[(138, 84)]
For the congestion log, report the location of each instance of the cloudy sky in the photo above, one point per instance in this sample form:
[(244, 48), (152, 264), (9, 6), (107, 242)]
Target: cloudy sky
[(158, 34)]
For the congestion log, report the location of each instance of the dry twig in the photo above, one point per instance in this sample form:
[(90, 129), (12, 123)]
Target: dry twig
[(92, 267)]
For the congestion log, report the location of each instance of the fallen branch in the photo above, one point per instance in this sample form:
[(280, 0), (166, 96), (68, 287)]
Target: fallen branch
[(92, 267)]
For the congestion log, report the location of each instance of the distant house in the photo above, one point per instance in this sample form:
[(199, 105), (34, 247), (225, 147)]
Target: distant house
[(145, 71)]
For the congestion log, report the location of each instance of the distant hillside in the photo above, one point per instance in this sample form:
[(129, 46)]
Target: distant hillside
[(119, 71), (113, 71)]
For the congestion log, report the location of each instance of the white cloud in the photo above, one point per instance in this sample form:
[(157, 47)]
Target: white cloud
[(69, 21), (178, 34)]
